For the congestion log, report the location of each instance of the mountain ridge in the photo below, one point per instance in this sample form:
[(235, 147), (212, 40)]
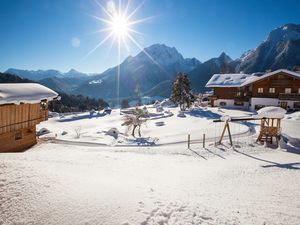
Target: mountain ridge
[(153, 70)]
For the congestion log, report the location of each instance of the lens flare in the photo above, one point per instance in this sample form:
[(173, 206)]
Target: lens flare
[(119, 27)]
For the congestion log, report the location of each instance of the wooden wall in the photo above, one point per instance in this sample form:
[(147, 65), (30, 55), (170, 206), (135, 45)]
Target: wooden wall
[(20, 121), (15, 117), (9, 144), (279, 81), (225, 93)]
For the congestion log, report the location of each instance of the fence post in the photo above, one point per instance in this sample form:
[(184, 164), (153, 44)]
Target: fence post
[(189, 139), (203, 140)]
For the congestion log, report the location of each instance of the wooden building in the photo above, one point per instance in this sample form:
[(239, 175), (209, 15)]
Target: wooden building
[(22, 107), (277, 88)]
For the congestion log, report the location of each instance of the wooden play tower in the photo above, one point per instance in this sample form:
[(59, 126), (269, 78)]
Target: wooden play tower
[(269, 129)]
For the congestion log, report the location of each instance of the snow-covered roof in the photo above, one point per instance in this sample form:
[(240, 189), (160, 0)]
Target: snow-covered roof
[(25, 93), (271, 112), (240, 79), (257, 78), (228, 80)]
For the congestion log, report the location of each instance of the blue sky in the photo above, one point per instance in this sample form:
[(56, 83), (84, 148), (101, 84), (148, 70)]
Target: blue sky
[(38, 34)]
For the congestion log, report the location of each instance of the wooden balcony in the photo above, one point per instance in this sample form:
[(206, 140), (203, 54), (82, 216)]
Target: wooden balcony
[(291, 96)]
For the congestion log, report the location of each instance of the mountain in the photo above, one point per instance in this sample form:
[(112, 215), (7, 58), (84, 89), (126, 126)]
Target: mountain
[(67, 103), (10, 78), (202, 73), (34, 74), (42, 74), (157, 63), (54, 79), (281, 49), (152, 71)]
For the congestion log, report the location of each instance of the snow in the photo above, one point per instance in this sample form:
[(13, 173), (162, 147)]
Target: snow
[(163, 127), (228, 80), (60, 184), (25, 93), (271, 112), (99, 81), (266, 75), (154, 179), (240, 79)]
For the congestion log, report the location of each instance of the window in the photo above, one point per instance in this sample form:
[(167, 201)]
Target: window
[(299, 90), (238, 103), (272, 90), (238, 93), (222, 103), (288, 90), (260, 90), (18, 135), (296, 105), (257, 107)]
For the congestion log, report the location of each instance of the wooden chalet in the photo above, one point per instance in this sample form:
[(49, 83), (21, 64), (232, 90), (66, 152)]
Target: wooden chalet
[(255, 91), (22, 107)]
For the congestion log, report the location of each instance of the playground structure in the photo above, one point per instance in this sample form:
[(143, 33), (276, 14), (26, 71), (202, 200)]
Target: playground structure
[(270, 118), (269, 129)]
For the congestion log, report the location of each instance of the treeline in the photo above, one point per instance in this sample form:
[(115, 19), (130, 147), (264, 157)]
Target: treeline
[(67, 103), (10, 78), (76, 103)]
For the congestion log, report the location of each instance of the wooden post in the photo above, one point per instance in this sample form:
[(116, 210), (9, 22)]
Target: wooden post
[(223, 132), (189, 139), (203, 140), (229, 134)]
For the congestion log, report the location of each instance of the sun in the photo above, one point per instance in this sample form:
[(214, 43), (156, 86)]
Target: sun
[(118, 23), (120, 26)]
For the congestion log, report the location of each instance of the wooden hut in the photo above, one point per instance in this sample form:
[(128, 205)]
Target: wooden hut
[(22, 107)]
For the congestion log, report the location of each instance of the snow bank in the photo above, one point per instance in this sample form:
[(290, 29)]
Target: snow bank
[(25, 93), (167, 103), (271, 112), (293, 116)]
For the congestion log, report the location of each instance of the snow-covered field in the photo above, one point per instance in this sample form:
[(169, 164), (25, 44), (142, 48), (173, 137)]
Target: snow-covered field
[(96, 179), (161, 128)]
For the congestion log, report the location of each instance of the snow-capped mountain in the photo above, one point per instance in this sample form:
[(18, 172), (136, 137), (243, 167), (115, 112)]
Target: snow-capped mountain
[(42, 74), (157, 63), (152, 71), (280, 50), (201, 74), (54, 79), (34, 74)]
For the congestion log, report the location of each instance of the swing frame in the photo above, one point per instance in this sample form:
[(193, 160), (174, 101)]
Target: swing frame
[(227, 127)]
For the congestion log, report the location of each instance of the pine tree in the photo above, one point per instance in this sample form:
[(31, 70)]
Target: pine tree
[(181, 91)]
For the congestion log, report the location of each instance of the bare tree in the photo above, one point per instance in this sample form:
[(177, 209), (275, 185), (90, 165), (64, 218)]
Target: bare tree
[(132, 121)]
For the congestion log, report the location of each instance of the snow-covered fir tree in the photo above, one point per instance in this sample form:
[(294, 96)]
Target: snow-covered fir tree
[(181, 91)]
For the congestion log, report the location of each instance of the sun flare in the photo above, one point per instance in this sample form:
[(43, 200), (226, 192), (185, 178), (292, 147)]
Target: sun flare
[(119, 26)]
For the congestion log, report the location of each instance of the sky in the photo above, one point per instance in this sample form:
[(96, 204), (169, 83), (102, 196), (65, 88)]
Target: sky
[(60, 34)]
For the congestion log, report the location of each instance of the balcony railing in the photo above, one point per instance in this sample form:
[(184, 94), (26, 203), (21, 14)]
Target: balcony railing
[(291, 96)]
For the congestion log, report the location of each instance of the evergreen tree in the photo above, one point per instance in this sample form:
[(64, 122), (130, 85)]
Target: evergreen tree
[(181, 91)]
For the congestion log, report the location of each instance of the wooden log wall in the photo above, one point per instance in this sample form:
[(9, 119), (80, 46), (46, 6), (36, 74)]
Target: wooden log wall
[(10, 144), (16, 117)]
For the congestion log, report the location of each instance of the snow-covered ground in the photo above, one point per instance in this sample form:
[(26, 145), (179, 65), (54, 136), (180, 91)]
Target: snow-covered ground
[(161, 128), (86, 180)]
